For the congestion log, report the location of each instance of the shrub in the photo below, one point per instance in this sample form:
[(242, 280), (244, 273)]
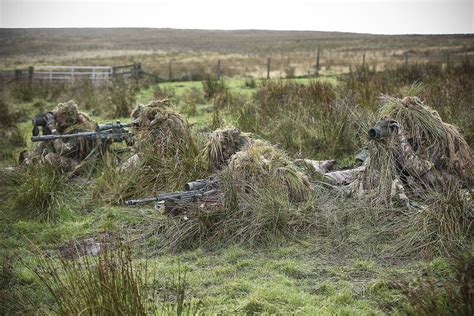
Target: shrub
[(26, 91), (121, 96), (160, 92), (250, 83), (191, 99), (41, 193), (213, 88), (112, 185), (109, 284), (428, 295), (306, 120), (10, 134), (441, 227)]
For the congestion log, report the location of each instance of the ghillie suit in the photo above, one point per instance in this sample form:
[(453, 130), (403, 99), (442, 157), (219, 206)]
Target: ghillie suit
[(261, 197), (67, 154), (431, 138), (261, 166), (412, 150), (164, 145), (159, 124), (222, 144)]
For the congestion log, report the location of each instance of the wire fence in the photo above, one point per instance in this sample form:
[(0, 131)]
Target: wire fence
[(250, 66)]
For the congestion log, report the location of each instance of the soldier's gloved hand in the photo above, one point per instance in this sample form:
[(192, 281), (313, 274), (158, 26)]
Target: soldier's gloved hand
[(54, 131)]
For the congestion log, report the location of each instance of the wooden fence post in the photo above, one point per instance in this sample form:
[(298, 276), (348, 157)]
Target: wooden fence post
[(31, 71), (363, 60), (17, 74), (318, 67), (218, 70), (138, 69), (170, 72), (134, 70), (268, 67)]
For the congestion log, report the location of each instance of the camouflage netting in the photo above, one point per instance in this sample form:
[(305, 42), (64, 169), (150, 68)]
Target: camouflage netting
[(422, 153), (159, 123), (261, 166), (222, 144)]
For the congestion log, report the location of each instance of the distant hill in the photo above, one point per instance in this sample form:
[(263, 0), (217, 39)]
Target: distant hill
[(45, 41)]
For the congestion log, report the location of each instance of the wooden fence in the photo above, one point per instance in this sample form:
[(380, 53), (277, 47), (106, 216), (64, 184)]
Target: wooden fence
[(258, 67), (73, 73)]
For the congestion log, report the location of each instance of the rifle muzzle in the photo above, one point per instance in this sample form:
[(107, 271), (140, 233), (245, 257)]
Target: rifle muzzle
[(374, 133), (194, 185)]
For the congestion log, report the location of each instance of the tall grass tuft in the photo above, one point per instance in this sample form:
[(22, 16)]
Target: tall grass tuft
[(109, 284), (428, 295), (213, 88), (191, 99), (441, 227), (112, 184), (306, 120), (10, 135), (121, 97), (42, 192)]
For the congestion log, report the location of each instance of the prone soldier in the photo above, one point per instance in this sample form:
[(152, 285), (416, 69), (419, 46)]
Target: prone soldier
[(66, 153)]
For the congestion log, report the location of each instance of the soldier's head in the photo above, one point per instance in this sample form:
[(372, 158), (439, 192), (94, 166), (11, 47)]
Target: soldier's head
[(66, 114), (383, 129)]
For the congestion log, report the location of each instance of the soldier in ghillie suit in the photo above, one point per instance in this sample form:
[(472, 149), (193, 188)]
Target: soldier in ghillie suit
[(412, 150), (65, 153), (159, 130), (222, 144)]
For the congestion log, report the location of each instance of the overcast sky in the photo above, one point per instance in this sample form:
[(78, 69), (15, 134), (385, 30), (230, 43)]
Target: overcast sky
[(365, 16)]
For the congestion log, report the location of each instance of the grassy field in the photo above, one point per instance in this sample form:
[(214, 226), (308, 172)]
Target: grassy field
[(194, 53), (268, 254)]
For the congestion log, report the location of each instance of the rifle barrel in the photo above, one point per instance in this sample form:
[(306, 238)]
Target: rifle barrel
[(172, 196), (93, 135), (60, 136)]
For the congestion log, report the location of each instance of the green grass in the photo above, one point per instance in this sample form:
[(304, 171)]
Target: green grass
[(291, 278), (235, 86), (344, 266)]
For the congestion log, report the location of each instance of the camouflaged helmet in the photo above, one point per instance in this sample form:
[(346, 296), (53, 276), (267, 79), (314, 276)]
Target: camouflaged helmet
[(66, 114)]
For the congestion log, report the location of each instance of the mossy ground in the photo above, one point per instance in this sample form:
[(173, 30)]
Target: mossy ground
[(292, 278)]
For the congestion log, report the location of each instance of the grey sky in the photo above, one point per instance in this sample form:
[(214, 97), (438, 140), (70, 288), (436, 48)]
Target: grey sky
[(367, 16)]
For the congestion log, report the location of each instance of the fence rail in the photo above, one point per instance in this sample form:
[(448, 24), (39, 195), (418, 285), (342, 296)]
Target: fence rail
[(255, 66), (73, 72)]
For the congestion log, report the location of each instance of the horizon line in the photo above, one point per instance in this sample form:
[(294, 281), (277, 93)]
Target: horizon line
[(230, 30)]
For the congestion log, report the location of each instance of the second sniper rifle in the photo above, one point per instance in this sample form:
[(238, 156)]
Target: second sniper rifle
[(193, 190)]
